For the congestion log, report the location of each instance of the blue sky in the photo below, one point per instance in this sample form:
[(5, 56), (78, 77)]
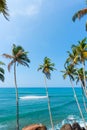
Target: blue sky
[(43, 28)]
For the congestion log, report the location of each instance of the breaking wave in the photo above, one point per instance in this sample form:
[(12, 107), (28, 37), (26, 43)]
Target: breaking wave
[(32, 97), (70, 120), (4, 127)]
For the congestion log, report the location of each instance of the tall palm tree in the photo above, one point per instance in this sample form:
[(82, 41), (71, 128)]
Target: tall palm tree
[(2, 72), (46, 68), (4, 8), (71, 72), (81, 49), (19, 56)]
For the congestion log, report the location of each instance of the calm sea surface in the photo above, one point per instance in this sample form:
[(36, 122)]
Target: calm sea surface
[(34, 108)]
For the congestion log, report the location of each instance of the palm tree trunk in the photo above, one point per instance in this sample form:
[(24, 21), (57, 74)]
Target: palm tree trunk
[(50, 114), (83, 92), (17, 103), (78, 104), (84, 79)]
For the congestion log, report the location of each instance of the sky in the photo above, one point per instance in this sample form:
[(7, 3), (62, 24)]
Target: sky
[(43, 28)]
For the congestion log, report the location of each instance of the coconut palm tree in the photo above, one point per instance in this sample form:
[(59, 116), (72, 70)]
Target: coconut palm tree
[(2, 72), (4, 8), (70, 71), (19, 56), (72, 58), (79, 54), (46, 68), (81, 49)]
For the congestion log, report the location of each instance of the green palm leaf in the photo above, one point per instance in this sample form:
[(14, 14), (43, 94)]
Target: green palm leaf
[(79, 14), (4, 9)]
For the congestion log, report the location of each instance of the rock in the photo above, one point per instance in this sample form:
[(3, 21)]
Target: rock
[(76, 126), (83, 128), (35, 127), (66, 127)]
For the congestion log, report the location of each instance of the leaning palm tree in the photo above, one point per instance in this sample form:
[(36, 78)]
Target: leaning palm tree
[(4, 8), (19, 56), (81, 49), (72, 58), (71, 72), (2, 72), (46, 68), (80, 77)]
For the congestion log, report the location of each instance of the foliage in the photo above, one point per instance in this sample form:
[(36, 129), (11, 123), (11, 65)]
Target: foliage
[(47, 67), (4, 8)]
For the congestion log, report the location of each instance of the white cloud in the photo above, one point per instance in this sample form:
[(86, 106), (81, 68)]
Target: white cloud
[(29, 8)]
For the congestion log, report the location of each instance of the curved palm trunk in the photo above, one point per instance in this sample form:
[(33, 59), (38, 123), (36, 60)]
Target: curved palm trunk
[(48, 104), (17, 103), (85, 89), (83, 92), (78, 105)]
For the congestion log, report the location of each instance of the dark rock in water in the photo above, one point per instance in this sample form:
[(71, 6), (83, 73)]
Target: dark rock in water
[(76, 126), (41, 128), (83, 128), (66, 127), (35, 127)]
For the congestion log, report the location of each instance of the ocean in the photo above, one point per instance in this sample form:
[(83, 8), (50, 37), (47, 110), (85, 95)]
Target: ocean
[(33, 107)]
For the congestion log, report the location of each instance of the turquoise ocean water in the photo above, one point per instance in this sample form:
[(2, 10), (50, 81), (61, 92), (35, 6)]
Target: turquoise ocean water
[(34, 107)]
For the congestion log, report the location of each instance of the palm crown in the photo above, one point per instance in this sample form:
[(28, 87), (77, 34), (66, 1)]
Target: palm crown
[(80, 76), (18, 55), (47, 67), (81, 50)]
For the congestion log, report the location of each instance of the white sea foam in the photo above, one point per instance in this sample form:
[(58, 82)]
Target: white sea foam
[(32, 97), (3, 127), (70, 119)]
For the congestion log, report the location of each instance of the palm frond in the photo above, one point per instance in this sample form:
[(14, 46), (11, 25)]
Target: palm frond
[(7, 56), (24, 58), (52, 69), (64, 76), (79, 14), (40, 67), (19, 53), (22, 62), (2, 70), (2, 77), (2, 63), (4, 9), (10, 64)]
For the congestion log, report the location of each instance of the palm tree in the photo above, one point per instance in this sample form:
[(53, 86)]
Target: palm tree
[(19, 56), (4, 8), (46, 68), (81, 49), (2, 72), (71, 72), (72, 58)]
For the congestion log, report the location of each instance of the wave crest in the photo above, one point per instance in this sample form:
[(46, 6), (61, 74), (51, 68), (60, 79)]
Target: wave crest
[(32, 97)]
